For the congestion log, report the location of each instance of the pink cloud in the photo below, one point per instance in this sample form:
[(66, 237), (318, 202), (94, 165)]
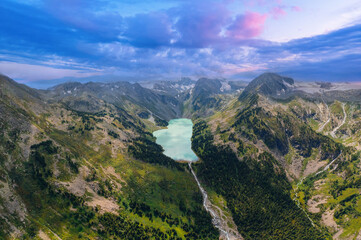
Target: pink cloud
[(230, 69), (277, 12), (245, 26), (296, 9)]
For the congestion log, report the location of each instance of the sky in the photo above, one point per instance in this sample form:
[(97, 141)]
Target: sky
[(45, 42)]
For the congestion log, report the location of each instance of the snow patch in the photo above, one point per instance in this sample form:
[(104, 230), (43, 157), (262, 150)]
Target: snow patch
[(225, 87)]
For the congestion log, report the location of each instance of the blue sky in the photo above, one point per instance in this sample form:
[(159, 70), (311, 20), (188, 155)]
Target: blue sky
[(44, 42)]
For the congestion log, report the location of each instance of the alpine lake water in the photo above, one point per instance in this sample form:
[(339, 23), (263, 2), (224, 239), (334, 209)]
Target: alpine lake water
[(176, 140)]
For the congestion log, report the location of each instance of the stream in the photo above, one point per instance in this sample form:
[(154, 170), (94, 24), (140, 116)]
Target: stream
[(207, 205)]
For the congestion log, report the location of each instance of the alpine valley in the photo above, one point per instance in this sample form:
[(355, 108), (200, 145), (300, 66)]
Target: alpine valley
[(278, 159)]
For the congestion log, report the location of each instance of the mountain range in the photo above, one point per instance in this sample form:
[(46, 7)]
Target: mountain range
[(279, 159)]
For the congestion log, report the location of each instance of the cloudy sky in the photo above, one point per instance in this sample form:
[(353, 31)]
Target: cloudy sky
[(44, 42)]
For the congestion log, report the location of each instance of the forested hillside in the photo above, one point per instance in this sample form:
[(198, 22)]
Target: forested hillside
[(256, 191)]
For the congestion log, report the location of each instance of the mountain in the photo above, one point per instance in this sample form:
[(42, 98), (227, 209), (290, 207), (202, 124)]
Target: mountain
[(177, 88), (207, 96), (174, 88), (237, 86), (14, 91), (83, 171), (313, 142), (279, 159), (280, 87), (269, 84), (120, 94)]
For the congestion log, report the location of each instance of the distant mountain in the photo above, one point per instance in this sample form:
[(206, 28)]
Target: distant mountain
[(206, 87), (280, 87), (344, 92), (237, 85), (174, 87), (119, 94), (203, 98), (208, 96)]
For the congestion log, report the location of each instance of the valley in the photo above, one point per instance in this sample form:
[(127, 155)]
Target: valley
[(176, 142), (180, 120), (272, 159)]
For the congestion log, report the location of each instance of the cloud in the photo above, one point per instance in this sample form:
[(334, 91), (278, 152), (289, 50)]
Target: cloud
[(196, 25), (73, 28), (278, 12), (296, 9), (32, 31), (213, 25), (345, 68), (200, 25), (29, 72), (56, 39), (87, 16), (149, 30), (262, 2), (248, 25), (333, 57)]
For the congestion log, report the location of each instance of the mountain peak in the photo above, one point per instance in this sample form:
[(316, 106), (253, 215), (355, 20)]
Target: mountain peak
[(269, 84)]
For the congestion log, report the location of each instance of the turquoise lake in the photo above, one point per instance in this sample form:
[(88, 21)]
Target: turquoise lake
[(176, 139)]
